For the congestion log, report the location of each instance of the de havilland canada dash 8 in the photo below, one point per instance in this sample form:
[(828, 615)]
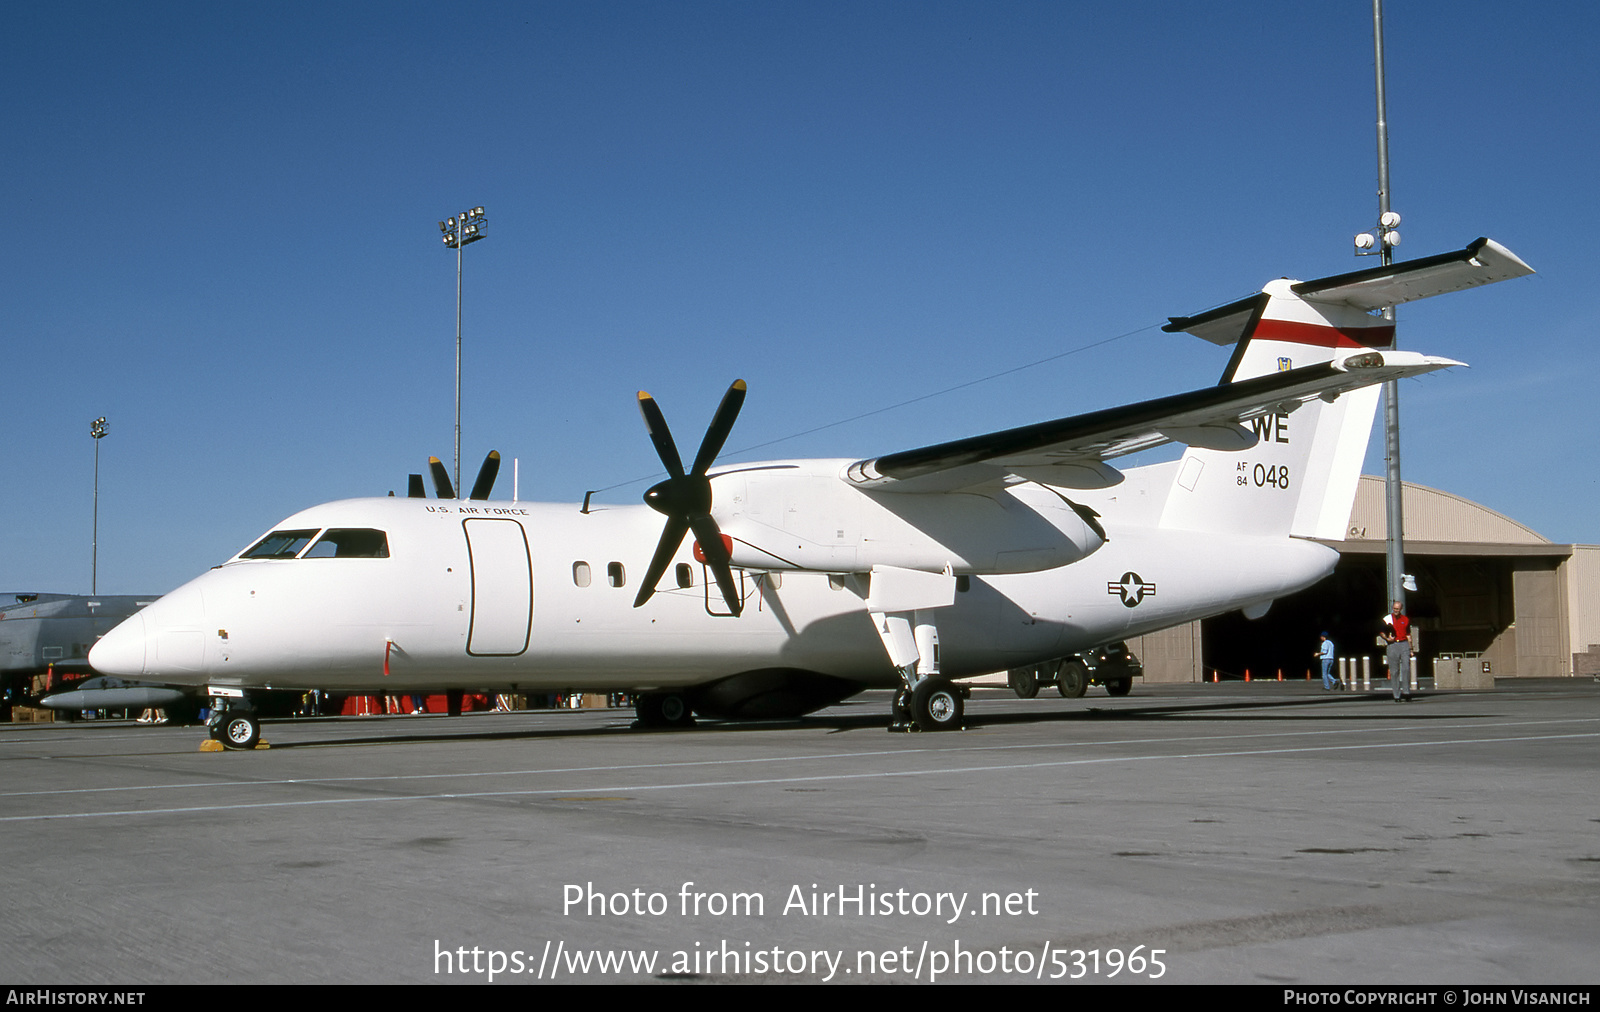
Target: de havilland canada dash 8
[(810, 580)]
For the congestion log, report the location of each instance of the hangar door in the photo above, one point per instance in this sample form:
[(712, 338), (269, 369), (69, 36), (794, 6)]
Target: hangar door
[(502, 588), (1541, 645)]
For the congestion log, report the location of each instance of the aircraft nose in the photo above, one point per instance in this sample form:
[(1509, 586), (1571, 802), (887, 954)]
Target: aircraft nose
[(121, 651)]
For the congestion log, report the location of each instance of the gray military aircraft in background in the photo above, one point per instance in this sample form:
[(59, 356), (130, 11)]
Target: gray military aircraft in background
[(50, 634)]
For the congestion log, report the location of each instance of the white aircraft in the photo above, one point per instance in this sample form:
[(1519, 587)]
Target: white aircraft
[(811, 580)]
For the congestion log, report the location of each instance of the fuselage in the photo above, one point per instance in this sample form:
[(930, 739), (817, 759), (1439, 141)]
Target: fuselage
[(402, 593)]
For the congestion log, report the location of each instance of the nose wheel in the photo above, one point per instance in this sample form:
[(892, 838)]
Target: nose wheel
[(236, 730)]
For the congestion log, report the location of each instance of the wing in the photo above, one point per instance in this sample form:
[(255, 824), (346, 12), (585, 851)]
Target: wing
[(1070, 452)]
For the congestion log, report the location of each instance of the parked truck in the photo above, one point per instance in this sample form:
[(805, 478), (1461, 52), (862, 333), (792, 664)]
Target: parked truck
[(1112, 665)]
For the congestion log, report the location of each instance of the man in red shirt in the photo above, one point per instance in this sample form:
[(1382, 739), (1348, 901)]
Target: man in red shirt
[(1397, 632)]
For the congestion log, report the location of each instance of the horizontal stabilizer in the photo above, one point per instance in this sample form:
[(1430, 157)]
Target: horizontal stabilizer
[(1482, 262)]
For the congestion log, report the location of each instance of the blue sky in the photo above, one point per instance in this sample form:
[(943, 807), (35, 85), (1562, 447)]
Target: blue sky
[(223, 238)]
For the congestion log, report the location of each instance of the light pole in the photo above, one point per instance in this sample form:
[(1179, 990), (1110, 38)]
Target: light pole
[(1386, 238), (466, 227), (97, 429)]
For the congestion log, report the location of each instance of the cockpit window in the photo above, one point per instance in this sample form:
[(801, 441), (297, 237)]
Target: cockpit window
[(350, 543), (280, 545)]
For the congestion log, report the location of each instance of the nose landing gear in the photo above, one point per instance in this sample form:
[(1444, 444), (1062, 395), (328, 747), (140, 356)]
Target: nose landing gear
[(234, 724), (237, 731)]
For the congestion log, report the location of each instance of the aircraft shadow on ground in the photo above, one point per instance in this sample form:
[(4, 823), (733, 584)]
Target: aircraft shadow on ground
[(872, 718), (1252, 710)]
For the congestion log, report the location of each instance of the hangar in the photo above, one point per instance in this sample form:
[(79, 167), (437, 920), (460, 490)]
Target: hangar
[(1487, 587)]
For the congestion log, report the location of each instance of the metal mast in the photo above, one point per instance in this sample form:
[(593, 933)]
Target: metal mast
[(1386, 239), (466, 227), (1387, 219), (97, 429)]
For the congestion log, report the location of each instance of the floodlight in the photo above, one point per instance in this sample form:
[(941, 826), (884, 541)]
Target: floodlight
[(459, 231)]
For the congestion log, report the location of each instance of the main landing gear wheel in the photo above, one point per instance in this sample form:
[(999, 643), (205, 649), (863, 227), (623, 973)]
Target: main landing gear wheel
[(1073, 681), (936, 705), (1024, 682), (237, 731), (1120, 687), (664, 709)]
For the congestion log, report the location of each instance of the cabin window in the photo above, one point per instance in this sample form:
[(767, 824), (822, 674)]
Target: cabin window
[(280, 545), (350, 543), (685, 575), (580, 574), (963, 584), (614, 574)]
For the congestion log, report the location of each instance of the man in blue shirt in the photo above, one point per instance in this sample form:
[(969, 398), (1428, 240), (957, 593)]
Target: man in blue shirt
[(1326, 654)]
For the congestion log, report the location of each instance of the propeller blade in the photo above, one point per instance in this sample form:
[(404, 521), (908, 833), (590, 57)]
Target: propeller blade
[(685, 499), (721, 425), (671, 538), (716, 553), (441, 479), (415, 490), (660, 435), (486, 476)]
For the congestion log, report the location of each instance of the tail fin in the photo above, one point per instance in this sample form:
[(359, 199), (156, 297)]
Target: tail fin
[(1300, 478)]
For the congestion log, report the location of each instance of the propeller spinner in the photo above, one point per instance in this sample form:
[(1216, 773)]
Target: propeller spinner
[(685, 499)]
